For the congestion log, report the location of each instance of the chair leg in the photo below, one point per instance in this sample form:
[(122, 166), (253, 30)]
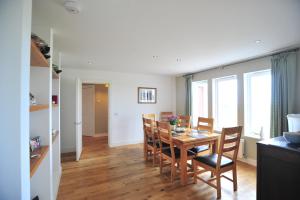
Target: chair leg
[(160, 163), (195, 171), (234, 178), (145, 153), (218, 186), (211, 174), (154, 157), (173, 171)]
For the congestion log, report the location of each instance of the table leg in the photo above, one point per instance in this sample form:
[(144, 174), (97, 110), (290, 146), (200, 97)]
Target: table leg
[(215, 146), (183, 165), (145, 149)]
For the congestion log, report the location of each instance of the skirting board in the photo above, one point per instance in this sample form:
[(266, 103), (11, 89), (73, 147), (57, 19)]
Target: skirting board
[(68, 149), (122, 143), (249, 161)]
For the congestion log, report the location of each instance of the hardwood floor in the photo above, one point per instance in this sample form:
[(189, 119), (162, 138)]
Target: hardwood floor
[(121, 173)]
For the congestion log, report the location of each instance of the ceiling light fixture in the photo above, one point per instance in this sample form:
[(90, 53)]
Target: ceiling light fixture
[(72, 6), (178, 59), (90, 62), (154, 57), (257, 41)]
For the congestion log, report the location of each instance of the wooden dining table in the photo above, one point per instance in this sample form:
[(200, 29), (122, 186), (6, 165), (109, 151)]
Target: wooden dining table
[(186, 141)]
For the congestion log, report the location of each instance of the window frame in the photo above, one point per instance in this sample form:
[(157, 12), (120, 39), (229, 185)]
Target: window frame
[(248, 106), (194, 121), (215, 106)]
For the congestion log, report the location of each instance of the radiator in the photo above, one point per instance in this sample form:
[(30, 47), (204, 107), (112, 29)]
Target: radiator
[(241, 150)]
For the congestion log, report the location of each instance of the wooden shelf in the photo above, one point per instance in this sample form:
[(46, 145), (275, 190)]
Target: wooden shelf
[(35, 162), (38, 107), (54, 137), (54, 75), (37, 59)]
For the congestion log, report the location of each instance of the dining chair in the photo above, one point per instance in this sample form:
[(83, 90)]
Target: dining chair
[(218, 164), (171, 154), (184, 121), (151, 140), (164, 116), (149, 116), (204, 124)]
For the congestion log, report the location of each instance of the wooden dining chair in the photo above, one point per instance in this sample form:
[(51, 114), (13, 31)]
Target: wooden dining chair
[(184, 121), (204, 124), (171, 154), (218, 164), (149, 116), (164, 116), (151, 140)]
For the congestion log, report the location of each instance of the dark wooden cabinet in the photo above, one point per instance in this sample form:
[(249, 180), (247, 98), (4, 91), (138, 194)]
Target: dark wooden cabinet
[(278, 170)]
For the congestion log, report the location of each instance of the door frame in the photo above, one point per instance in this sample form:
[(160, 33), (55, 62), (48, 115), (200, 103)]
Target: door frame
[(101, 81), (78, 116)]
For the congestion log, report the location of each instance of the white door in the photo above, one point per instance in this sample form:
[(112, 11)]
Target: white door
[(78, 122), (88, 110)]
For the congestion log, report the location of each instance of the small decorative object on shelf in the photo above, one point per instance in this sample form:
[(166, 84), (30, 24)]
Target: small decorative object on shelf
[(35, 143), (56, 69), (41, 44), (173, 121), (32, 99), (54, 99)]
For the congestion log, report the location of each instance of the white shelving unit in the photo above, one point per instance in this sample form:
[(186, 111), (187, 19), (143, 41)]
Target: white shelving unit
[(45, 171)]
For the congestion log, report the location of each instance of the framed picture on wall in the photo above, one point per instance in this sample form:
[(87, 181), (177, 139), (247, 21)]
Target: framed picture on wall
[(147, 95)]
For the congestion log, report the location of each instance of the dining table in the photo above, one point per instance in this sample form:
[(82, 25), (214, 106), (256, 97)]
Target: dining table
[(189, 139)]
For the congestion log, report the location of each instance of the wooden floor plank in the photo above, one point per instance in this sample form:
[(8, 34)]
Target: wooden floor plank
[(121, 173)]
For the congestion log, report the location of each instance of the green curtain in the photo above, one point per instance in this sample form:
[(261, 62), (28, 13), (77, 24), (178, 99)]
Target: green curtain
[(283, 72), (188, 99)]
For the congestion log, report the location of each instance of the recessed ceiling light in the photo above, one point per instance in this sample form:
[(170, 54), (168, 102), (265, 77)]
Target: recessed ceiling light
[(257, 41)]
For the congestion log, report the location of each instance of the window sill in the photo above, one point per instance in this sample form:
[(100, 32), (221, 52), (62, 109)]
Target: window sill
[(257, 137)]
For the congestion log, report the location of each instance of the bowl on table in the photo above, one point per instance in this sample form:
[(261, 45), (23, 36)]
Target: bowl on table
[(180, 129), (292, 137)]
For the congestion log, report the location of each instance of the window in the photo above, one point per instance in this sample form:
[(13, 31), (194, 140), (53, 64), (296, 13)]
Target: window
[(199, 101), (257, 103), (225, 102)]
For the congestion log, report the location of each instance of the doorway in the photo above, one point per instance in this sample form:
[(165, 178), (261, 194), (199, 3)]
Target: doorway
[(94, 115)]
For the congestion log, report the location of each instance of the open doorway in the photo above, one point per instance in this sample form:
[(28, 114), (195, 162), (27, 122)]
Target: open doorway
[(94, 115)]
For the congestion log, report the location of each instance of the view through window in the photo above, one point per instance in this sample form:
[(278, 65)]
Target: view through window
[(257, 103)]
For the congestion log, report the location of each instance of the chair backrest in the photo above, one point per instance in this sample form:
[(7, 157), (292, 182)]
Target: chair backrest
[(149, 116), (206, 124), (164, 132), (184, 121), (148, 125), (164, 116), (230, 141)]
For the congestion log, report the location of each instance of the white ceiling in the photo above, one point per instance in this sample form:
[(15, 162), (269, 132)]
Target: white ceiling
[(124, 35)]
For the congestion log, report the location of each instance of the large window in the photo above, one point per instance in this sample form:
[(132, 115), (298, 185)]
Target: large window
[(225, 102), (257, 98), (200, 100)]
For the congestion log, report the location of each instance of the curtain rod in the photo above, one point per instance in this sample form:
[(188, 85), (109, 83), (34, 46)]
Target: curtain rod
[(273, 53)]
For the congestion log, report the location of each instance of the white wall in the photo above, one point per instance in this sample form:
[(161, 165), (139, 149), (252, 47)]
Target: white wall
[(15, 23), (237, 69), (125, 114)]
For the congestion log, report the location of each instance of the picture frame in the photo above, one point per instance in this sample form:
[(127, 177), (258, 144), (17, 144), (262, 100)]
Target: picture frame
[(147, 95)]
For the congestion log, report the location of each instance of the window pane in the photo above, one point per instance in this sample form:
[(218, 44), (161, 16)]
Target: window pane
[(225, 102), (200, 100), (258, 103)]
